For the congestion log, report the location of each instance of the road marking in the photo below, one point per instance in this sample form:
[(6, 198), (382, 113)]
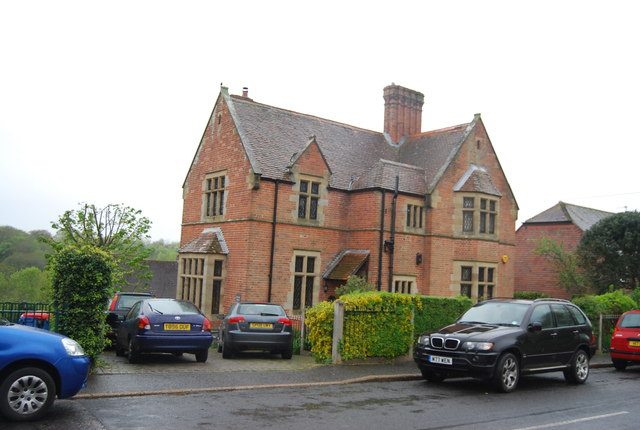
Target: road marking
[(579, 420)]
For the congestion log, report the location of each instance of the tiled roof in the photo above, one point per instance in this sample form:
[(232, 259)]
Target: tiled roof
[(347, 263), (358, 158), (583, 218), (210, 241), (477, 180)]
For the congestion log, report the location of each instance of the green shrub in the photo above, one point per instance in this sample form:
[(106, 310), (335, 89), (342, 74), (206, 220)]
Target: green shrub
[(81, 285), (529, 295), (378, 324), (354, 284)]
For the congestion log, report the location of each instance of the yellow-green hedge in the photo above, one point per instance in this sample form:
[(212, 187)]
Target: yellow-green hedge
[(379, 323)]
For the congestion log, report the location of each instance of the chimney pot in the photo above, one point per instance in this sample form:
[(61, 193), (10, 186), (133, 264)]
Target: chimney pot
[(245, 92)]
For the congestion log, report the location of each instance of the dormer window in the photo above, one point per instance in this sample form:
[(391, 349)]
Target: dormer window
[(308, 200)]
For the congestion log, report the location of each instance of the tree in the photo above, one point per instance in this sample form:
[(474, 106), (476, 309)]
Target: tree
[(116, 229), (564, 263), (609, 252), (81, 285)]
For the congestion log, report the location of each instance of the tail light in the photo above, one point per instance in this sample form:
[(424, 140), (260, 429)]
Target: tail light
[(143, 323), (112, 306), (236, 320), (285, 321), (206, 325)]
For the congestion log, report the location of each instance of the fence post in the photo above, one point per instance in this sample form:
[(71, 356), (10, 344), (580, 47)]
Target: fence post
[(302, 332), (338, 327), (600, 333)]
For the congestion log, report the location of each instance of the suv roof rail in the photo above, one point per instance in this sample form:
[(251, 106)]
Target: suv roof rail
[(551, 299)]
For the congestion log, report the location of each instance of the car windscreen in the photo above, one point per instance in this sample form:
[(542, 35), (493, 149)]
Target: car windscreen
[(125, 302), (501, 313), (259, 309), (630, 321), (171, 307)]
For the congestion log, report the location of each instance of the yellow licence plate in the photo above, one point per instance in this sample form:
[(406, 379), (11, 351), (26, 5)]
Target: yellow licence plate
[(634, 343), (260, 325), (175, 326)]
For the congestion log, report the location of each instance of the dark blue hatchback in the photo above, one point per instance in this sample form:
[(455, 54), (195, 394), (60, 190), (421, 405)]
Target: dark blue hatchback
[(36, 366), (164, 325)]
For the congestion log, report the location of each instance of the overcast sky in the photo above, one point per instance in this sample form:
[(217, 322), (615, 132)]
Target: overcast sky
[(105, 102)]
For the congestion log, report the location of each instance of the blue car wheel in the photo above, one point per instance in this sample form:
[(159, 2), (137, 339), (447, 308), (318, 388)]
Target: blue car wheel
[(27, 394)]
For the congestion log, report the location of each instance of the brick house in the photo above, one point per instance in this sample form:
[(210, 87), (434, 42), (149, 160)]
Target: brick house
[(565, 224), (281, 206)]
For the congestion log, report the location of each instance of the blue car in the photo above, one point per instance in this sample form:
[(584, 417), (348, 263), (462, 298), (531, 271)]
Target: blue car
[(36, 366), (164, 325)]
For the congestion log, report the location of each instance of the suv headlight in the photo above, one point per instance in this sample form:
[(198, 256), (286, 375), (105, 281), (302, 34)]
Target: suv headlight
[(72, 347), (424, 340), (478, 346)]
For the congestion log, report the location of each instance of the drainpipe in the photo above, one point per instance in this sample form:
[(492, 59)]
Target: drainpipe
[(381, 244), (273, 240), (393, 233)]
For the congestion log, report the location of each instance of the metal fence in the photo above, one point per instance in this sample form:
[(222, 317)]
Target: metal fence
[(604, 329), (40, 315)]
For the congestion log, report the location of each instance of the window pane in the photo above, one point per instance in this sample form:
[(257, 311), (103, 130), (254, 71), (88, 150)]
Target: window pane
[(311, 262), (222, 179), (490, 274), (467, 221), (492, 205), (481, 274), (313, 208), (297, 292), (420, 215), (465, 275), (315, 187), (483, 204), (214, 204), (480, 291), (465, 290), (299, 264), (308, 293), (408, 215), (467, 202), (483, 222), (304, 186), (492, 223), (221, 204), (489, 291), (217, 268), (215, 299), (302, 207)]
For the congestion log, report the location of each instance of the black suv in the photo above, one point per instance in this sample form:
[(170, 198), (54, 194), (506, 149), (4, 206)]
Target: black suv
[(499, 340)]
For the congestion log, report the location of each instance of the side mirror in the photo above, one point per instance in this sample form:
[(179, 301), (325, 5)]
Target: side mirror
[(535, 326)]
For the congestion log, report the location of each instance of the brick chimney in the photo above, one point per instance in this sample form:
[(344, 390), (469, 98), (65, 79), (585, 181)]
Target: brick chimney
[(402, 112)]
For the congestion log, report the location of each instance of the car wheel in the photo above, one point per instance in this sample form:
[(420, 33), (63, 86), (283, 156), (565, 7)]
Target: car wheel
[(431, 376), (134, 357), (202, 355), (287, 353), (226, 351), (507, 373), (619, 364), (578, 370), (27, 394)]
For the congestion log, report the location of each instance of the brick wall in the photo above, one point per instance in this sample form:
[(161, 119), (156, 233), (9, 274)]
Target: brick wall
[(533, 272)]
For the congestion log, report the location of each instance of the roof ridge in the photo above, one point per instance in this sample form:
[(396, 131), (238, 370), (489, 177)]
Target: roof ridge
[(251, 101)]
